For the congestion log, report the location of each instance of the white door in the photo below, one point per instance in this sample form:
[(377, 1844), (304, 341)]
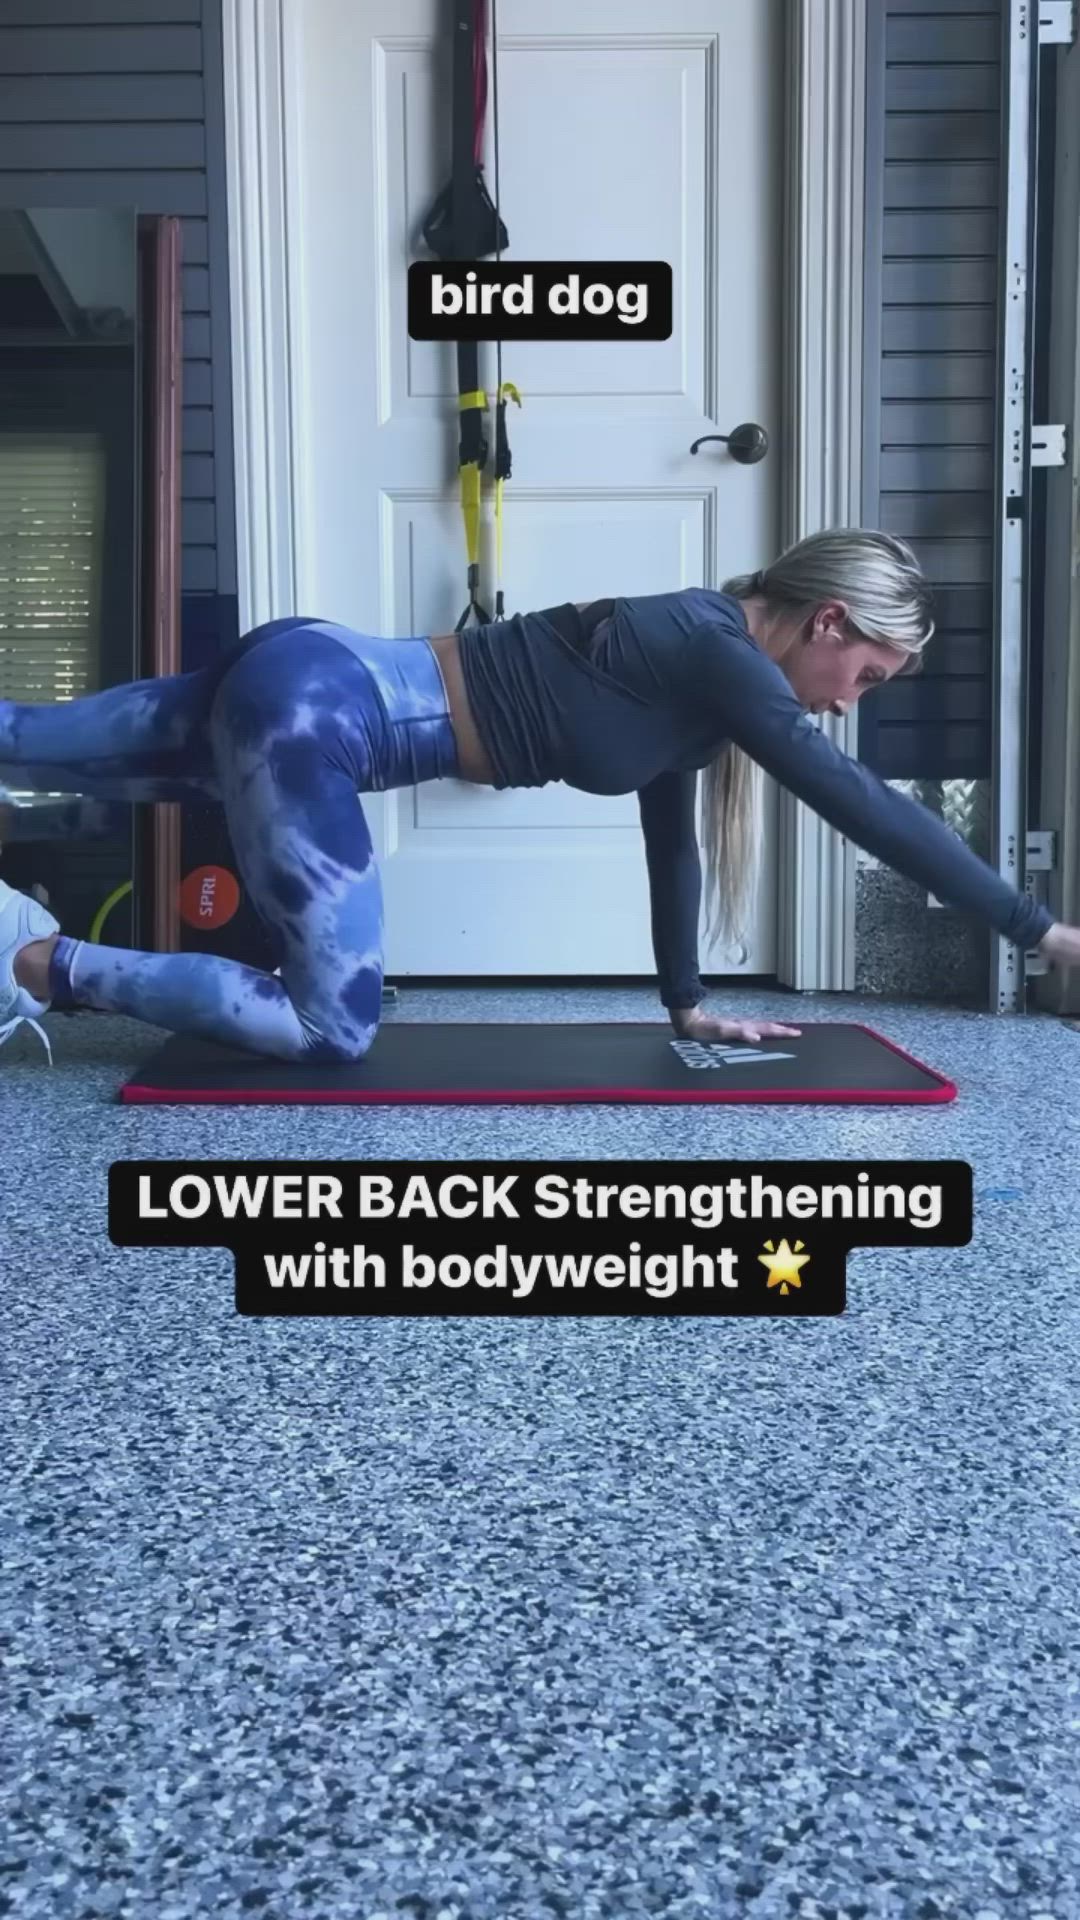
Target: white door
[(627, 132)]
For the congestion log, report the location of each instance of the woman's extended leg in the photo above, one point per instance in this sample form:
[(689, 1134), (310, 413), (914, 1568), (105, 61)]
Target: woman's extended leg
[(146, 740), (297, 731)]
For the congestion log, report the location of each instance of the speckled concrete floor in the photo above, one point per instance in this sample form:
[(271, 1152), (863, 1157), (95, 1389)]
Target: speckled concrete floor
[(492, 1621)]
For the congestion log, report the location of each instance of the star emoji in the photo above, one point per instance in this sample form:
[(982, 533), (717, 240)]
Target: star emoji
[(783, 1264)]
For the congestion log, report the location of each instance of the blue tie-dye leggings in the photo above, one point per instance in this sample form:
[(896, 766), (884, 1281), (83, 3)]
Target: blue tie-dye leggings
[(285, 732)]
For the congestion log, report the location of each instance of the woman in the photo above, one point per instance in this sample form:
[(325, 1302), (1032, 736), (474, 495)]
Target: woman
[(610, 697)]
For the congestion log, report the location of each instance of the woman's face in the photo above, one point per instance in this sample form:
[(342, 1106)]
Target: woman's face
[(830, 667)]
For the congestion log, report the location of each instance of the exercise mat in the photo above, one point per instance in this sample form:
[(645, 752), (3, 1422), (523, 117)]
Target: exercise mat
[(511, 1063)]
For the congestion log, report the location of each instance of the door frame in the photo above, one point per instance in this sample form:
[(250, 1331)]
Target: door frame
[(161, 362), (1058, 991), (820, 437)]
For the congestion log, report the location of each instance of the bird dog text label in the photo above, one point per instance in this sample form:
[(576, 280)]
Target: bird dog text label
[(540, 300), (575, 1237)]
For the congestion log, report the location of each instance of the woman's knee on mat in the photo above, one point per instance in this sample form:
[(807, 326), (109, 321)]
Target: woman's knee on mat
[(340, 1026), (341, 1047), (271, 1024), (338, 1053)]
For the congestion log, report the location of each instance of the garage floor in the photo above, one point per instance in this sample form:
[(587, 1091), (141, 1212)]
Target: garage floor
[(498, 1620)]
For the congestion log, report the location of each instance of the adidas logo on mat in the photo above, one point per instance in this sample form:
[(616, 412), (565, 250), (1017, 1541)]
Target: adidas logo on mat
[(698, 1054)]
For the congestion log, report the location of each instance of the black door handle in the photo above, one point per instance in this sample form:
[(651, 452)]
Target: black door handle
[(747, 444)]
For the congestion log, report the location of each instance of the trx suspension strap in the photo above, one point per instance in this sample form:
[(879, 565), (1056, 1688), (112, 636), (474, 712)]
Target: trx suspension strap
[(464, 225)]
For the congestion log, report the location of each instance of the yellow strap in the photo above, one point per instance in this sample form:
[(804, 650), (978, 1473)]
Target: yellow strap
[(469, 477), (470, 507), (507, 391)]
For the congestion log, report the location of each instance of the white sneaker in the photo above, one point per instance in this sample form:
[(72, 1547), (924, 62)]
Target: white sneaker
[(22, 920)]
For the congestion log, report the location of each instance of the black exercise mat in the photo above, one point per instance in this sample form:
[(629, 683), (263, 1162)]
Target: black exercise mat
[(465, 1063)]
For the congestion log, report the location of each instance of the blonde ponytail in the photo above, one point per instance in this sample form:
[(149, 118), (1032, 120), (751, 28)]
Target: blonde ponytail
[(888, 600)]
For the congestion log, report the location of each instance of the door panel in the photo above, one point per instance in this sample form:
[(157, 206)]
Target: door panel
[(605, 496)]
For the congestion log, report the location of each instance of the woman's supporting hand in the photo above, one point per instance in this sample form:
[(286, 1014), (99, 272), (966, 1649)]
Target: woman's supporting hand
[(1061, 944), (691, 1024)]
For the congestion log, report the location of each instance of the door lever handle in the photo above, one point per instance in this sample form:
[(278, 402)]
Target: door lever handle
[(747, 444)]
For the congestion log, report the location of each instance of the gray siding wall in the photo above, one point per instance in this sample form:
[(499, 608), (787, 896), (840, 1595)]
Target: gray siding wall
[(934, 129), (931, 322), (118, 103)]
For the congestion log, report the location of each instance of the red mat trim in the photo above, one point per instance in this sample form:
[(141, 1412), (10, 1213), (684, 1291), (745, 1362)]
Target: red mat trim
[(940, 1095)]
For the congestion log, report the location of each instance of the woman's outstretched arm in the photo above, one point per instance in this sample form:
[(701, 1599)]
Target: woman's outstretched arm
[(756, 707)]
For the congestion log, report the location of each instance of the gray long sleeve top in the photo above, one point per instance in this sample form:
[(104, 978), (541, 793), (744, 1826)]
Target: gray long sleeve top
[(646, 701)]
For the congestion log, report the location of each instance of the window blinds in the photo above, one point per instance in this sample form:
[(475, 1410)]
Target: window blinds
[(52, 513)]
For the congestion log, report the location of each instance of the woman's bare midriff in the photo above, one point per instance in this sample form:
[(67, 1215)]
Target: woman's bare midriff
[(473, 762)]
